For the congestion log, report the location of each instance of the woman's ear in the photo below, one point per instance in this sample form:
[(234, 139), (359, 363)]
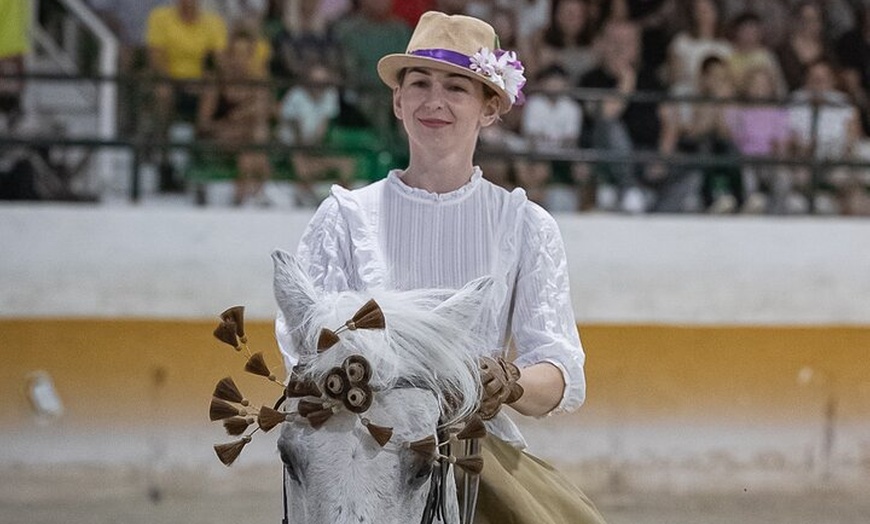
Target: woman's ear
[(490, 112), (397, 102)]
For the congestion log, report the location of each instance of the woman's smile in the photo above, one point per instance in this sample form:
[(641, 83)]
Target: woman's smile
[(435, 123)]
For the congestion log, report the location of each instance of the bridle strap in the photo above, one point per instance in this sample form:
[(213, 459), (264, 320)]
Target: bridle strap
[(286, 519), (470, 485)]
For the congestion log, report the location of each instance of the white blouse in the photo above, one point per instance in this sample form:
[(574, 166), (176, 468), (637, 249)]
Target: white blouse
[(391, 235)]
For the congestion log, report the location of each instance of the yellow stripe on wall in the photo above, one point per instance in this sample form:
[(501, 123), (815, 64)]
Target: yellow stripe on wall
[(136, 372)]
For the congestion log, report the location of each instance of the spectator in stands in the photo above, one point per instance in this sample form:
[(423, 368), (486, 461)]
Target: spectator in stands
[(621, 125), (551, 122), (306, 112), (181, 39), (805, 43), (702, 38), (829, 135), (14, 44), (235, 114), (750, 50), (853, 53), (566, 41), (303, 39), (653, 17), (364, 36), (410, 10), (772, 15), (128, 19), (762, 130), (707, 133)]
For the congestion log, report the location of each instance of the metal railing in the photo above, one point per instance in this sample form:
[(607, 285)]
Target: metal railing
[(138, 142)]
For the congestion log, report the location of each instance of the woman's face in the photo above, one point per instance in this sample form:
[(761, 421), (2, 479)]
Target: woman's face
[(440, 109)]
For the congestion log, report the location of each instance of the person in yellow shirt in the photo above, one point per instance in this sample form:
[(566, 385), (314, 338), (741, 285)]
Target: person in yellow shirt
[(14, 44), (181, 39)]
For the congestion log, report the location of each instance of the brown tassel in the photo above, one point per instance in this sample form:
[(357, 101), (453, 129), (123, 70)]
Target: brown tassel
[(235, 426), (301, 388), (306, 407), (326, 340), (268, 418), (227, 390), (381, 434), (317, 418), (236, 314), (226, 333), (425, 446), (369, 316), (228, 453), (219, 410), (474, 428), (257, 365), (472, 464)]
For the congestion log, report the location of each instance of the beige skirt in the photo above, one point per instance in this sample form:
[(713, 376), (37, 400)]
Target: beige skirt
[(517, 488)]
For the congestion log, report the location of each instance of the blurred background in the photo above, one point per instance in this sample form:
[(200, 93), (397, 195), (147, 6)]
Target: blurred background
[(707, 163)]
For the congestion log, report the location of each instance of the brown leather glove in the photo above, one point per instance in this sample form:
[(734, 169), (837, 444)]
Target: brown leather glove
[(498, 380)]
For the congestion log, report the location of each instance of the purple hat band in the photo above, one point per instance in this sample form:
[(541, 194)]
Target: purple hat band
[(445, 55)]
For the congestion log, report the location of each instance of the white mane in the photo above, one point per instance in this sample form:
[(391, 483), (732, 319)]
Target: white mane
[(428, 341)]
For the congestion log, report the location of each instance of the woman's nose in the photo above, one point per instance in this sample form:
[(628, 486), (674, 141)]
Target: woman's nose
[(435, 97)]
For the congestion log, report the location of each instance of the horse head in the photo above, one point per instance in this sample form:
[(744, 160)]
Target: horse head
[(420, 376)]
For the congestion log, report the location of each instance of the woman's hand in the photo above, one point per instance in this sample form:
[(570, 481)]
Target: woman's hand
[(498, 381)]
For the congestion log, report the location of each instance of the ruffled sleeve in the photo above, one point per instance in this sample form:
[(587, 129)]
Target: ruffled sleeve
[(544, 326), (324, 253)]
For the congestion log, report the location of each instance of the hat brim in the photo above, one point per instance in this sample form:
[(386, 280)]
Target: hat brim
[(390, 66)]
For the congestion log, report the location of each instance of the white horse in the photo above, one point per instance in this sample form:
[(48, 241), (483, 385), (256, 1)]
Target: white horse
[(423, 378)]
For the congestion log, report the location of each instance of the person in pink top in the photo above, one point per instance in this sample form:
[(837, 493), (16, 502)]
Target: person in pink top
[(762, 130)]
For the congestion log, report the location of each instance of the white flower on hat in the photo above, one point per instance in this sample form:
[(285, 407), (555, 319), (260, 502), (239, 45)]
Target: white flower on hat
[(502, 68)]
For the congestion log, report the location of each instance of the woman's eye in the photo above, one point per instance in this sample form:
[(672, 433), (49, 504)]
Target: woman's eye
[(458, 89)]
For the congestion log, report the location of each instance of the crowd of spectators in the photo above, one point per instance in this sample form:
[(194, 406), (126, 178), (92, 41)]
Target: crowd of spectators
[(754, 80)]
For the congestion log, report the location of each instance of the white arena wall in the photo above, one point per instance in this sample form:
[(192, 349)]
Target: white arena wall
[(716, 345)]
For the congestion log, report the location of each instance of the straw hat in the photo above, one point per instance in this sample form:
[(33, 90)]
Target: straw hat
[(459, 44)]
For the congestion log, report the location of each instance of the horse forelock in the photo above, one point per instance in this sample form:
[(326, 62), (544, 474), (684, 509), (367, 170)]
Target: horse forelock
[(421, 346)]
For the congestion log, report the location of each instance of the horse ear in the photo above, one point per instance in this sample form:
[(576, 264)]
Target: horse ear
[(294, 292), (465, 306)]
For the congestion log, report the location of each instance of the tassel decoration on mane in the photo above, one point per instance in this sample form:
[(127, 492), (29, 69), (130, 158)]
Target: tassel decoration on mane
[(220, 410), (301, 388), (319, 417), (235, 426), (226, 333), (425, 446), (257, 366), (474, 428), (236, 314), (369, 316), (227, 390), (326, 340), (268, 418), (228, 453), (306, 407), (381, 434), (472, 465)]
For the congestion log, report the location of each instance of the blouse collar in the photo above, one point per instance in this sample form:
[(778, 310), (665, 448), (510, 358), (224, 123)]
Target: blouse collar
[(394, 179)]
